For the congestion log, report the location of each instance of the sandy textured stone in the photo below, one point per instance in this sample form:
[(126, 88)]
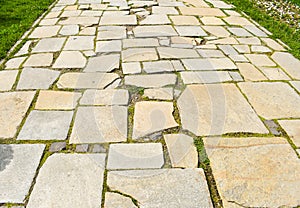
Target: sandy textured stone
[(167, 52), (18, 163), (100, 125), (7, 79), (42, 59), (208, 64), (211, 53), (273, 44), (260, 49), (217, 31), (182, 150), (250, 72), (113, 200), (159, 93), (70, 59), (177, 188), (212, 21), (139, 54), (69, 30), (152, 116), (94, 80), (205, 77), (274, 73), (103, 63), (227, 111), (79, 43), (235, 20), (131, 68), (249, 41), (14, 63), (240, 32), (45, 31), (193, 31), (242, 48), (288, 62), (184, 20), (201, 11), (272, 100), (260, 60), (109, 46), (84, 21), (158, 66), (291, 127), (228, 40), (276, 181), (38, 123), (154, 31), (58, 100), (135, 156), (88, 30), (49, 45), (58, 181), (111, 32), (155, 19), (141, 42), (105, 97), (182, 42), (164, 10), (296, 85), (150, 81), (118, 20)]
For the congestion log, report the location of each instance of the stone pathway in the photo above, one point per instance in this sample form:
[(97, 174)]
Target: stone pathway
[(149, 104)]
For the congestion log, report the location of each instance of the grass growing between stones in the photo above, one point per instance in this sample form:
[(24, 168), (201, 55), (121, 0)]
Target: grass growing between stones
[(16, 17), (280, 30)]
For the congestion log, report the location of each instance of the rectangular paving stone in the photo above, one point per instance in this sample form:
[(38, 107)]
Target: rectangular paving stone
[(151, 80), (139, 54), (39, 123), (84, 21), (7, 79), (69, 30), (155, 19), (177, 53), (274, 73), (260, 60), (71, 180), (218, 31), (100, 125), (273, 44), (291, 127), (79, 43), (201, 11), (45, 31), (288, 62), (184, 20), (39, 60), (131, 68), (14, 63), (205, 77), (296, 85), (212, 21), (192, 31), (164, 10), (210, 53), (255, 31), (208, 64), (158, 66), (70, 59), (272, 100), (105, 97), (111, 32), (154, 31), (236, 20), (141, 42), (117, 200), (249, 41), (49, 45), (103, 63), (135, 156), (159, 93), (108, 46), (250, 72), (18, 164), (234, 160), (118, 20)]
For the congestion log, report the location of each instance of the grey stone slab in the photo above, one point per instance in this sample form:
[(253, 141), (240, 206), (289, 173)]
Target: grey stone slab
[(13, 107), (208, 64), (79, 43), (158, 66), (155, 19), (100, 125), (296, 85), (69, 30), (176, 187), (255, 31), (159, 93), (111, 32), (152, 80), (82, 148), (57, 146), (84, 21), (177, 53), (45, 31), (140, 42), (211, 53), (109, 46), (113, 200), (69, 180), (240, 32), (70, 59), (276, 182), (139, 54), (131, 68), (46, 125), (135, 156), (154, 31), (288, 62), (272, 100), (205, 77), (7, 79), (103, 63), (49, 45), (18, 164), (215, 109), (105, 97), (118, 20), (37, 78)]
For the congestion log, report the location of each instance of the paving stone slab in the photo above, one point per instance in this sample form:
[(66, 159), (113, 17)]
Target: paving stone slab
[(201, 11), (151, 80), (13, 107), (216, 109), (155, 19), (139, 54), (100, 125), (158, 66), (184, 20), (288, 62), (70, 59), (135, 156), (260, 60), (84, 21), (152, 116), (274, 73), (193, 31), (250, 72), (58, 181), (93, 80), (131, 68), (212, 21), (235, 20), (49, 45), (205, 77), (109, 46), (118, 20), (7, 79), (14, 63), (164, 10), (111, 32), (273, 44), (37, 78), (275, 182), (208, 64), (177, 53), (41, 59), (296, 85), (177, 188), (113, 200), (291, 127), (75, 43), (211, 53), (105, 97), (272, 100), (218, 31), (45, 31), (39, 123), (159, 93), (103, 63), (18, 164), (182, 150), (140, 42), (154, 31), (69, 30)]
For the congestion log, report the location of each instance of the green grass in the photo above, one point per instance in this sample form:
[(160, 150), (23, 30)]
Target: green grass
[(297, 2), (16, 17), (280, 30)]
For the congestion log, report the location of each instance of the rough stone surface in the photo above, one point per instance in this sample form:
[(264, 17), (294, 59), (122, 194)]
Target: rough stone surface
[(7, 79), (143, 185), (18, 163), (291, 127), (79, 43), (276, 181), (113, 200), (135, 156), (62, 169), (105, 97), (177, 53)]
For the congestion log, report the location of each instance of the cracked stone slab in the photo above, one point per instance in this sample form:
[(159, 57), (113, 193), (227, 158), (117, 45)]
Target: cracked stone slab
[(176, 187), (152, 116), (93, 80), (104, 63), (100, 125), (70, 59), (135, 156), (58, 184), (291, 127), (7, 79), (151, 80), (105, 97), (288, 62), (227, 111), (39, 123), (276, 181), (18, 164), (13, 107), (272, 100), (115, 200)]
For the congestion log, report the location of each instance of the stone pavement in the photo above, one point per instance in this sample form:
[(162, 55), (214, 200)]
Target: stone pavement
[(149, 104)]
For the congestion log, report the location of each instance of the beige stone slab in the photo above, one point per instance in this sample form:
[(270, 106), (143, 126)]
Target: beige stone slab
[(250, 72), (155, 19), (154, 31), (201, 11), (14, 63), (217, 31), (142, 42), (205, 77), (41, 59), (249, 41), (131, 68), (152, 116), (109, 46), (77, 43), (49, 45), (296, 85), (139, 54), (67, 30), (212, 21), (182, 150), (105, 97), (242, 48), (215, 109), (151, 80), (273, 44), (70, 59), (260, 49), (192, 31), (260, 60), (84, 21), (234, 161), (71, 13), (164, 10), (103, 63), (272, 100), (288, 62), (113, 200), (197, 3), (182, 42), (7, 79), (45, 31), (228, 40), (168, 52), (88, 31), (211, 53), (184, 20), (13, 107), (158, 66), (118, 20), (58, 100), (274, 73), (208, 64), (159, 93), (111, 32), (292, 128), (235, 20), (239, 32)]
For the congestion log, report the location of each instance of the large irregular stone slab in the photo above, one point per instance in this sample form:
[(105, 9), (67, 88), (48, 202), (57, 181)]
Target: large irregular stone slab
[(46, 125), (13, 107), (216, 109), (139, 54), (100, 125), (250, 172), (69, 180), (176, 187), (84, 21), (192, 31), (155, 19), (7, 79), (14, 63), (152, 116), (114, 200), (151, 80), (288, 62), (105, 97), (250, 72), (70, 59), (182, 150), (105, 63), (272, 100), (154, 31), (18, 164), (141, 42), (135, 156), (205, 77), (292, 128), (94, 80)]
